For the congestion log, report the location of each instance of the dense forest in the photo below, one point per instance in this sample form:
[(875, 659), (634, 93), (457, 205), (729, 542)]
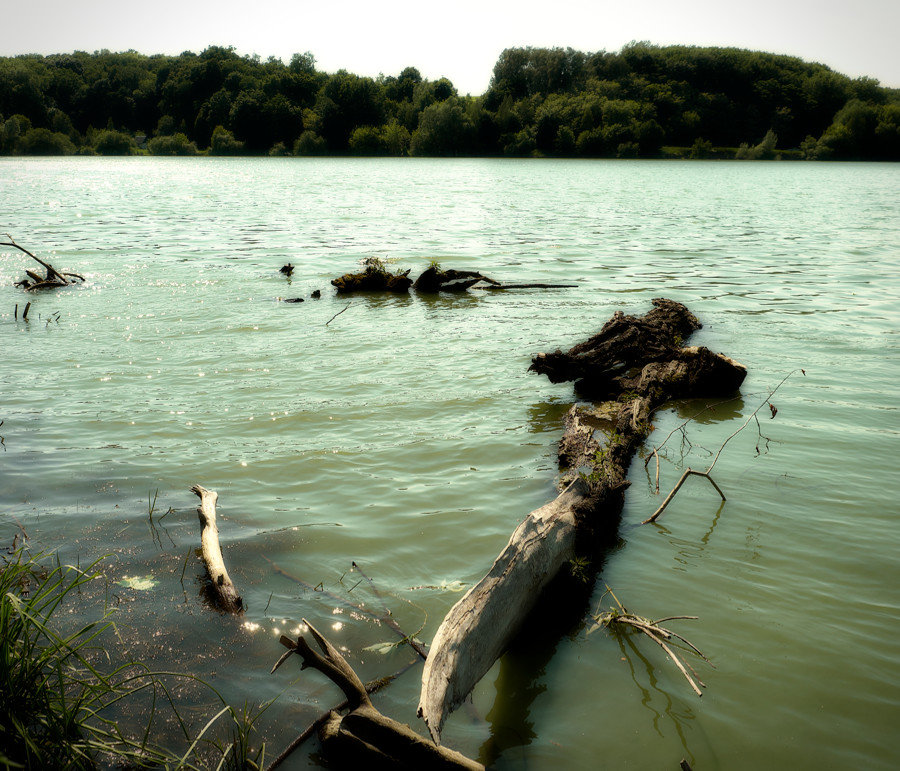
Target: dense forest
[(645, 101)]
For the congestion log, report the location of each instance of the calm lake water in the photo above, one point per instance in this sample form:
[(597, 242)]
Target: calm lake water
[(408, 436)]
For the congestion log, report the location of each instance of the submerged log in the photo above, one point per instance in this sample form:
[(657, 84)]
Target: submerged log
[(635, 364), (365, 737), (223, 589)]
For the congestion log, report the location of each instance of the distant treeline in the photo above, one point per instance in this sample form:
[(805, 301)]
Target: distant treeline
[(645, 101)]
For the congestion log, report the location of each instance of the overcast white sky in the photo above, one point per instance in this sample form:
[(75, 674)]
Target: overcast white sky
[(460, 40)]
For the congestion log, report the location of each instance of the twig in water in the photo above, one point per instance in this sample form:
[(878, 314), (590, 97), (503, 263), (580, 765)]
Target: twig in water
[(383, 618), (684, 438), (691, 472), (183, 568), (389, 618), (338, 313), (619, 616)]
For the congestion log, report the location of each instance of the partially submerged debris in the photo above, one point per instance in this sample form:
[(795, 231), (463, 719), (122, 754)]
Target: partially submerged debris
[(51, 280), (635, 364), (374, 278), (436, 279), (365, 737), (619, 617), (222, 587)]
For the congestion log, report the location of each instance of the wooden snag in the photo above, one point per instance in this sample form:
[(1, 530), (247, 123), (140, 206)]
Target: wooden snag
[(435, 279), (364, 737), (54, 278), (223, 589), (633, 365)]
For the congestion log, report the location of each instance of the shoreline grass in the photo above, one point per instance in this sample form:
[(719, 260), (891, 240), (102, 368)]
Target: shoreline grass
[(59, 689)]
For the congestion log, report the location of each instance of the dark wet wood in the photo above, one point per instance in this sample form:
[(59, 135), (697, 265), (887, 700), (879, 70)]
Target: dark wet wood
[(364, 738)]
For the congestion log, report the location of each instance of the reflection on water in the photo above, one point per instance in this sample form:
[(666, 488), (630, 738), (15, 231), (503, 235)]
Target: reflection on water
[(671, 715), (408, 435)]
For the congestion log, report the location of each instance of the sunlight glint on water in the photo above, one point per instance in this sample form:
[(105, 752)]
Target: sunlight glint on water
[(408, 436)]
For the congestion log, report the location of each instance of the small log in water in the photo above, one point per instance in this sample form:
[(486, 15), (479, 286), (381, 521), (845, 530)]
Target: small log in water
[(634, 364), (223, 588)]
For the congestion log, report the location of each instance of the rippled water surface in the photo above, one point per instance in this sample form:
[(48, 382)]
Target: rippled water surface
[(408, 436)]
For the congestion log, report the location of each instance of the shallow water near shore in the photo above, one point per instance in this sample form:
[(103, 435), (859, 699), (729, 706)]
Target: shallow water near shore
[(408, 436)]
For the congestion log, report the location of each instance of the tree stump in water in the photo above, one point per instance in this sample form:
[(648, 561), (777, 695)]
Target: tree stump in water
[(634, 365), (375, 278)]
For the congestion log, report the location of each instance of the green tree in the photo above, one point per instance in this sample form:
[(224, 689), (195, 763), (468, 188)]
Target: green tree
[(114, 143), (444, 129), (223, 142), (764, 151), (367, 140), (396, 138), (310, 143), (41, 141), (177, 144), (13, 128), (702, 148), (346, 102)]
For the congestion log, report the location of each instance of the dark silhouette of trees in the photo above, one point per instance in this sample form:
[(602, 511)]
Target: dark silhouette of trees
[(642, 101)]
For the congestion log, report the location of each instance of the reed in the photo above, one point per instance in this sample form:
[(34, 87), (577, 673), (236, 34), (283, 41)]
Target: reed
[(59, 694)]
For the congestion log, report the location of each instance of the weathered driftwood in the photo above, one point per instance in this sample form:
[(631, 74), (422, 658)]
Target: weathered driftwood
[(223, 589), (635, 364), (34, 281), (365, 737)]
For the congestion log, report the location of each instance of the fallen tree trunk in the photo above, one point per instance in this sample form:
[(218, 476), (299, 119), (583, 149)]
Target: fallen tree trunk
[(365, 737), (223, 589), (635, 364)]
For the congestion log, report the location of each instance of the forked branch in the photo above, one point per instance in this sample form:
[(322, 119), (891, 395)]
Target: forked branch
[(619, 617), (707, 474)]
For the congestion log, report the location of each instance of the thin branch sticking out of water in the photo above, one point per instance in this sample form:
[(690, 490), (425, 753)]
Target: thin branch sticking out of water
[(691, 472), (338, 313)]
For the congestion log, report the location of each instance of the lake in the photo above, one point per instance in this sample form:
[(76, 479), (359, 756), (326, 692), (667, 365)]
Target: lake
[(408, 436)]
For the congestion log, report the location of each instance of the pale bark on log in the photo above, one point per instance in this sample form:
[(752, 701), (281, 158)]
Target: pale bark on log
[(224, 591), (637, 363), (477, 629)]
